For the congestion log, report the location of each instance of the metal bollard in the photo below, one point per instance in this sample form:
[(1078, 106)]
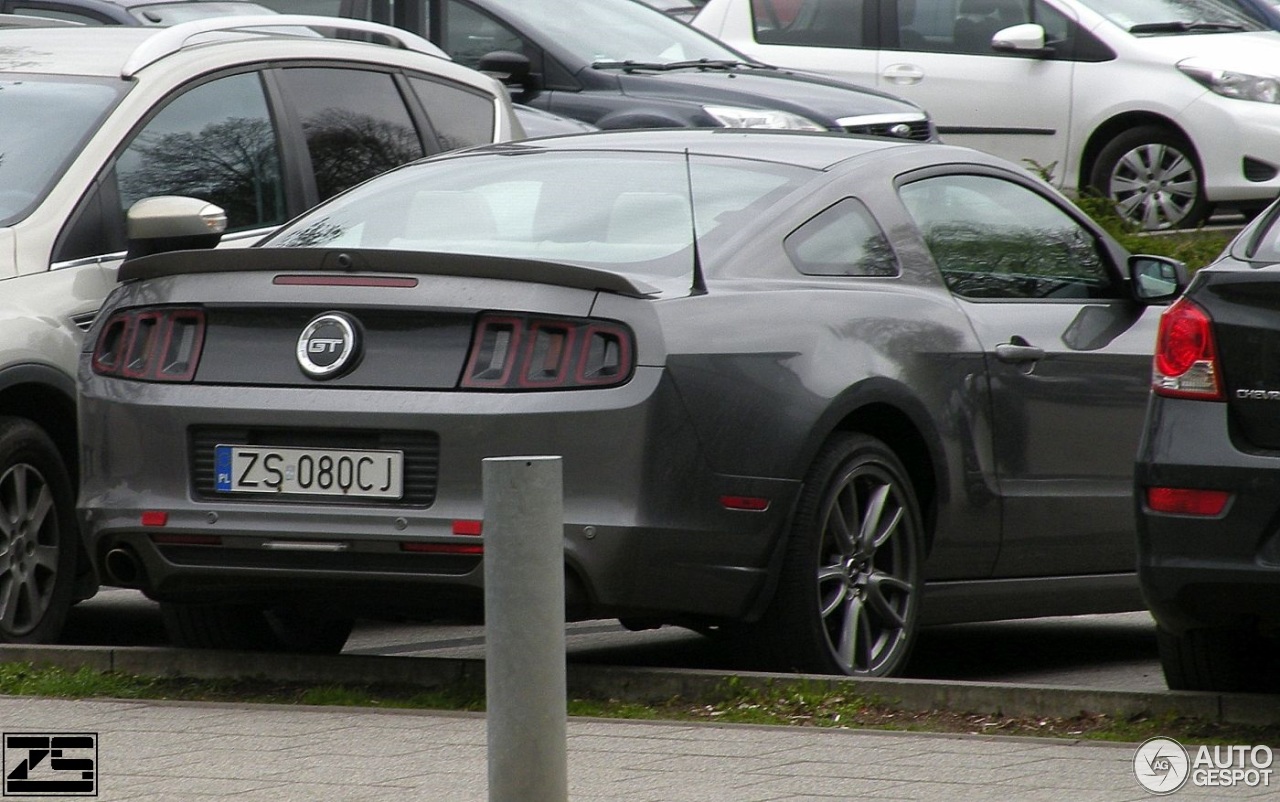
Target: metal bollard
[(524, 629)]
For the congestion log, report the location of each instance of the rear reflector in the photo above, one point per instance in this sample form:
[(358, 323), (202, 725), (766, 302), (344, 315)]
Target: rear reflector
[(749, 503), (1186, 501), (465, 527), (155, 518)]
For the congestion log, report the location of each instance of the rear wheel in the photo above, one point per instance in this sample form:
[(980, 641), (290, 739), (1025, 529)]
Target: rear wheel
[(1151, 175), (39, 544), (848, 597), (1223, 660), (249, 628)]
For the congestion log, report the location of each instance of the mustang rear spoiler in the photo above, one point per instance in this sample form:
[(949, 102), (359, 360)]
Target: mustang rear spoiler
[(354, 260)]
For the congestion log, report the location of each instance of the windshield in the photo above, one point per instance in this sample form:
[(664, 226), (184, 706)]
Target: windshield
[(1174, 16), (618, 30), (626, 211), (43, 123), (165, 14)]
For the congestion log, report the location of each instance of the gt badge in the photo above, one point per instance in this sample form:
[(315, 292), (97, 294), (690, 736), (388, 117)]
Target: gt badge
[(328, 346)]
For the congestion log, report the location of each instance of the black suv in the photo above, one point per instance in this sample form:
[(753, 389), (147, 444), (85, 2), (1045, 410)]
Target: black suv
[(624, 64), (1208, 473)]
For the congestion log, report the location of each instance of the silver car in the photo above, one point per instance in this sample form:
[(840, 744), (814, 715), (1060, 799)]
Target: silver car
[(888, 383), (262, 123)]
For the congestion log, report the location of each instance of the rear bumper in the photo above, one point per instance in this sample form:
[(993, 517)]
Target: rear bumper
[(1220, 571), (645, 531)]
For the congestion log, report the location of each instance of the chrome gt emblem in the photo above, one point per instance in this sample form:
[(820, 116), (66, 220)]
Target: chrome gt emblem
[(328, 346)]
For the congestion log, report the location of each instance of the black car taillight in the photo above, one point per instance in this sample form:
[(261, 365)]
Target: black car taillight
[(524, 352), (159, 344), (1186, 360)]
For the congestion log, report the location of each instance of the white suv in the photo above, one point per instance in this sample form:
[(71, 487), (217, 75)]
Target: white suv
[(1169, 108), (264, 123)]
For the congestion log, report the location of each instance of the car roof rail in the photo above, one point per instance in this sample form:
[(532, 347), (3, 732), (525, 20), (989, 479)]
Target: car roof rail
[(168, 41)]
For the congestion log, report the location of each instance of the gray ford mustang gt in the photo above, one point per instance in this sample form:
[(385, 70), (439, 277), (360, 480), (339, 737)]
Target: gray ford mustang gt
[(885, 384)]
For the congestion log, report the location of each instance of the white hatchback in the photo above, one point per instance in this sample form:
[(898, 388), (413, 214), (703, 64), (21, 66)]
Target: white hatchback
[(1171, 109)]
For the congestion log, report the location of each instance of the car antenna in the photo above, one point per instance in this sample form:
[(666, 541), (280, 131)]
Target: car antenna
[(699, 282)]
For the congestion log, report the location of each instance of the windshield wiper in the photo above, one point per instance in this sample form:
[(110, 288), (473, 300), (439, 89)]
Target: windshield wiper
[(1180, 26), (666, 66)]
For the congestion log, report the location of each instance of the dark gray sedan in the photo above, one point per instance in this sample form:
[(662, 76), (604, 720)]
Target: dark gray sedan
[(887, 384)]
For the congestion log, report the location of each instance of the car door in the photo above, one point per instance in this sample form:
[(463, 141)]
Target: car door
[(1016, 105), (938, 54), (1068, 357)]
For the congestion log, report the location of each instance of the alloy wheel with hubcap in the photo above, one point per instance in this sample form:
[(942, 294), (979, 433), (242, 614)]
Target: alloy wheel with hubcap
[(38, 551), (1151, 175)]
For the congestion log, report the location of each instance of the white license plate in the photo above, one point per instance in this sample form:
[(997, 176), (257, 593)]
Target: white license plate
[(309, 471)]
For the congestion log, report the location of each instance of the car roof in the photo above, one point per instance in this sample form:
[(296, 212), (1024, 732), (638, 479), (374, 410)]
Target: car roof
[(80, 50), (815, 150), (116, 50)]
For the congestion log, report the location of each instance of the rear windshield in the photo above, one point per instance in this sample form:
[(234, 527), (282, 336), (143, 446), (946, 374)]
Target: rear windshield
[(627, 211), (43, 123)]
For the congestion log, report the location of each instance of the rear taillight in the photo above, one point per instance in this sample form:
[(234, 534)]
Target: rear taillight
[(522, 352), (160, 344), (1186, 361)]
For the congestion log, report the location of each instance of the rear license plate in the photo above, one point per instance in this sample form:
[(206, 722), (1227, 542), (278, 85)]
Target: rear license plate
[(308, 471)]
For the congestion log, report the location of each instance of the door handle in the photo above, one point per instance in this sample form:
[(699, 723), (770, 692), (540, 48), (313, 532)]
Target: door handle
[(1018, 352), (903, 74)]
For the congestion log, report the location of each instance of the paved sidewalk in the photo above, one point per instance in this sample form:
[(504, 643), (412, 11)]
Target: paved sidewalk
[(178, 751)]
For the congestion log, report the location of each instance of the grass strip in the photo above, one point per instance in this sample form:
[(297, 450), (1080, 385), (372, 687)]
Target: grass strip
[(797, 703)]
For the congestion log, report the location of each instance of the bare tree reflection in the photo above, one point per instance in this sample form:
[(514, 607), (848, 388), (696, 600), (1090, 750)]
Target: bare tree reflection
[(232, 163), (347, 148)]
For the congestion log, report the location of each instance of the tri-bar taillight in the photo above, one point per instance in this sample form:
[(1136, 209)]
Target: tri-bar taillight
[(160, 344), (528, 352)]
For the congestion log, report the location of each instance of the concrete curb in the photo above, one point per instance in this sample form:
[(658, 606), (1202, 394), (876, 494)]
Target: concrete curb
[(648, 685)]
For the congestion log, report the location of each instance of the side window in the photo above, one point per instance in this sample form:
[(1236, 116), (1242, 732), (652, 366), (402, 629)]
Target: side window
[(355, 122), (470, 34), (811, 23), (956, 26), (993, 238), (216, 142), (461, 117), (841, 240)]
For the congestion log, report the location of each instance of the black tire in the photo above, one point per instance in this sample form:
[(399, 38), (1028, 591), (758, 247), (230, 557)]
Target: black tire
[(848, 597), (1153, 177), (1222, 660), (39, 537), (252, 629)]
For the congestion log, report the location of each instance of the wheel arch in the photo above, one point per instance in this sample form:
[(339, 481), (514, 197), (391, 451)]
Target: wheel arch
[(1113, 127), (45, 396), (892, 414)]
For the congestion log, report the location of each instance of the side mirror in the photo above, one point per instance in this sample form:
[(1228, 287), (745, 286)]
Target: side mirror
[(1157, 278), (171, 223), (1027, 39), (509, 68)]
